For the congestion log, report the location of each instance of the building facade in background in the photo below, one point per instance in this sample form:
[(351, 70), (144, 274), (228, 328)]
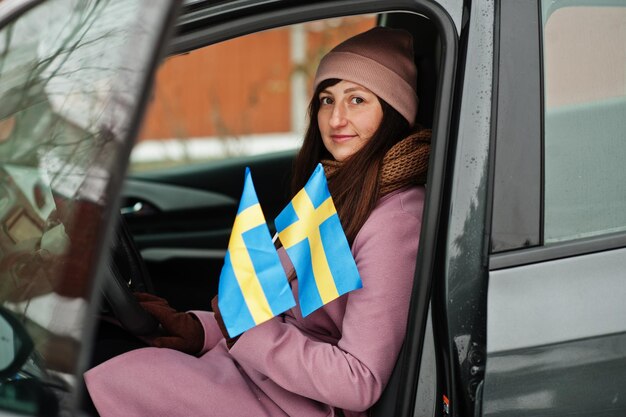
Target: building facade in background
[(247, 95)]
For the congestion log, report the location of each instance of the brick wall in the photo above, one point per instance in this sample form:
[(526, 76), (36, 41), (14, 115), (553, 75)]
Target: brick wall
[(241, 86)]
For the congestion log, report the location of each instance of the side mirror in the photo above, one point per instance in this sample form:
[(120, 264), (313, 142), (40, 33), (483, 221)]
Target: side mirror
[(19, 394), (15, 344)]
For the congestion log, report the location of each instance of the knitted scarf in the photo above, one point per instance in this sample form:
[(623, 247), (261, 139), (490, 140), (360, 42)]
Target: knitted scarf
[(406, 163)]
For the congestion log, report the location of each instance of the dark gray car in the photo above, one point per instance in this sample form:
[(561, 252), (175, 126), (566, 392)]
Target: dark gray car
[(518, 303)]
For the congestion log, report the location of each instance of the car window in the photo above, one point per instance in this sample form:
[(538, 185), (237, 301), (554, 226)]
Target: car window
[(238, 97), (584, 57), (67, 97)]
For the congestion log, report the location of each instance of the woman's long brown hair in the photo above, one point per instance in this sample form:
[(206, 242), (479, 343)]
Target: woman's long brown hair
[(354, 187)]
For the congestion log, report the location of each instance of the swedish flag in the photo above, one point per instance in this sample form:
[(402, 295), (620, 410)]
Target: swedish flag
[(311, 233), (253, 286)]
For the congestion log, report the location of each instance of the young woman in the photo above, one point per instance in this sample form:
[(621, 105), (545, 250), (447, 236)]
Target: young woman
[(337, 360)]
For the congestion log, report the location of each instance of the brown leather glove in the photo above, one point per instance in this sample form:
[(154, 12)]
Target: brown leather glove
[(183, 330), (230, 341)]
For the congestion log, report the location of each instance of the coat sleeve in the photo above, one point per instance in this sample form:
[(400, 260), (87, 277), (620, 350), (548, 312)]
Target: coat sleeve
[(212, 332), (352, 374)]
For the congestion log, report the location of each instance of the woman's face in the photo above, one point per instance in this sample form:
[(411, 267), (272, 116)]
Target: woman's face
[(348, 117)]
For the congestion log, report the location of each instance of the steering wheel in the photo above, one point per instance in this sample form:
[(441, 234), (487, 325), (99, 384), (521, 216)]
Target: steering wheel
[(127, 273)]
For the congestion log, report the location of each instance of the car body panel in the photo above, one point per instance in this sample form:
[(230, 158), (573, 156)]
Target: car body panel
[(463, 289), (556, 337), (580, 377), (551, 302)]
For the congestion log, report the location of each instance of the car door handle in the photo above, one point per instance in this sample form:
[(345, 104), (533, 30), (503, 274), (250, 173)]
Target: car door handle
[(138, 209)]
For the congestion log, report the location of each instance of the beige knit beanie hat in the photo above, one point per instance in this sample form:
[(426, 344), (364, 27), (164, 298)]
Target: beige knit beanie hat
[(381, 60)]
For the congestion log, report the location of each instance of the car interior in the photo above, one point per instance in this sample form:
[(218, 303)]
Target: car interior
[(193, 206)]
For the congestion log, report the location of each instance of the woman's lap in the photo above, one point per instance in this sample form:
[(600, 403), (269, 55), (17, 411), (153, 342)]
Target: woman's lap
[(153, 381)]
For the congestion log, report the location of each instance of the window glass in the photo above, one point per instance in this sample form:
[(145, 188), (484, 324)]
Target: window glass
[(245, 96), (67, 95), (585, 120)]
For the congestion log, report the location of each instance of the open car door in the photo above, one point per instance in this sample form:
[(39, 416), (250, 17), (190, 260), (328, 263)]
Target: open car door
[(75, 79)]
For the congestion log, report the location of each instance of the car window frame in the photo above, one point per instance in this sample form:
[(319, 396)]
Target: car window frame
[(517, 136)]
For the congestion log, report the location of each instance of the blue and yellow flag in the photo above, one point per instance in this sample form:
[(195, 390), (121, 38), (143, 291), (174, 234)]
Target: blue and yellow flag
[(311, 232), (253, 286)]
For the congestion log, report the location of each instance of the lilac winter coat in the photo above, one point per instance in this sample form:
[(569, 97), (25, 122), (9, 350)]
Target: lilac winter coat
[(339, 357)]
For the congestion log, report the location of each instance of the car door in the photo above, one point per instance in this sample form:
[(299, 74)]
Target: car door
[(75, 77), (555, 328)]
